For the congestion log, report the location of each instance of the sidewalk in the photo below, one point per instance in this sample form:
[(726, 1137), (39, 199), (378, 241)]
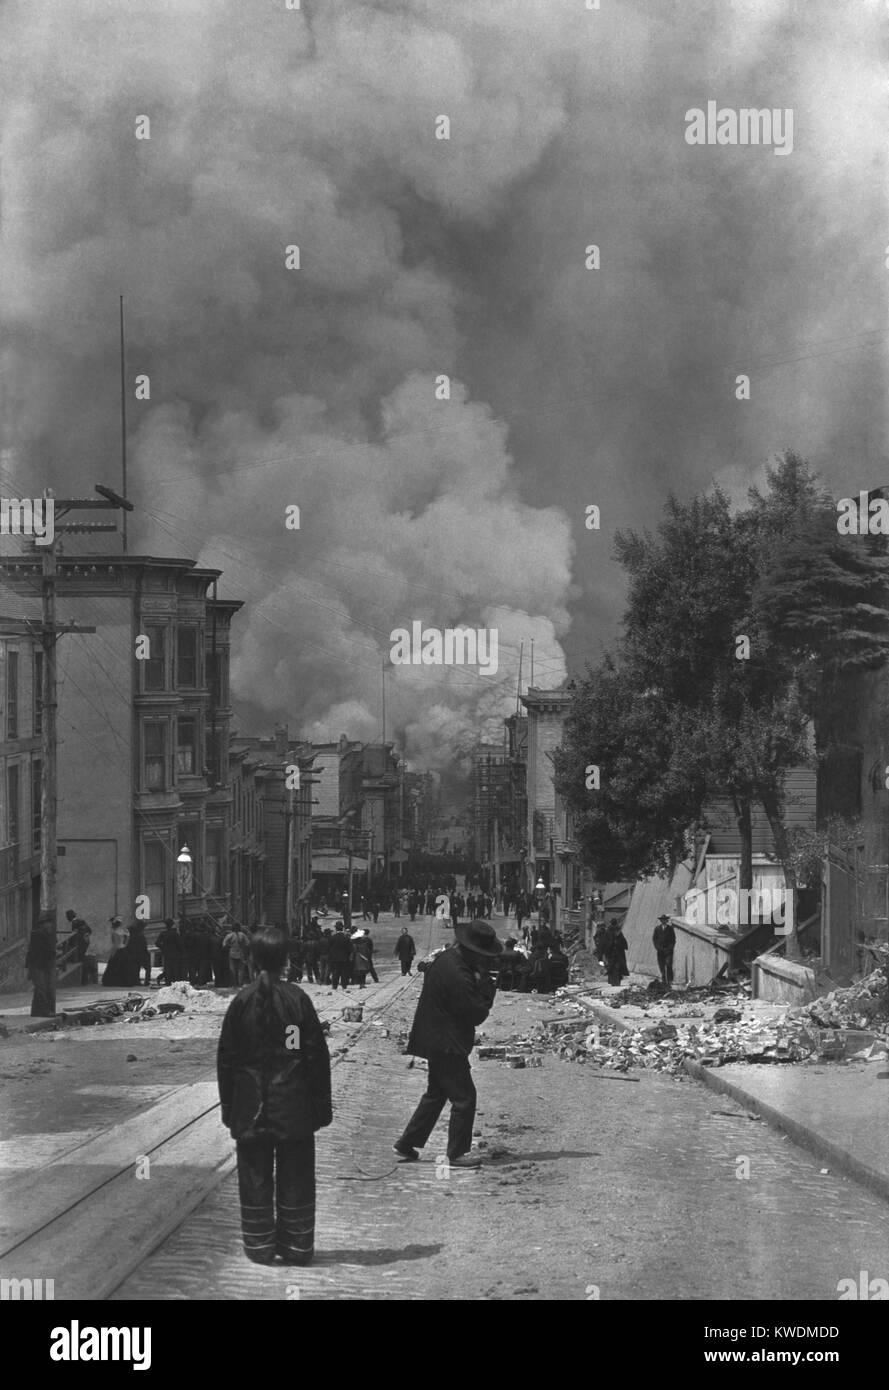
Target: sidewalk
[(15, 1009), (839, 1110)]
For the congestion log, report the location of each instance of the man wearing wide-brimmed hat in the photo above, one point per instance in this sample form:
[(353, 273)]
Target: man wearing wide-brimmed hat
[(457, 995), (664, 940)]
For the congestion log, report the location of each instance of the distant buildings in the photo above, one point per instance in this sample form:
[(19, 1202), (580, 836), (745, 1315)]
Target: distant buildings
[(272, 827), (370, 798), (554, 854)]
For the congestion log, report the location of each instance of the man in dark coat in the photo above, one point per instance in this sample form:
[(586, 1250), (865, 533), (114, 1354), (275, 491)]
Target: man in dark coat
[(169, 943), (405, 950), (138, 947), (340, 956), (273, 1070), (664, 940), (40, 964), (457, 995)]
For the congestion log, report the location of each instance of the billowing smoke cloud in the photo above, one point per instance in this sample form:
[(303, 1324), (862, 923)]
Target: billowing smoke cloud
[(421, 257)]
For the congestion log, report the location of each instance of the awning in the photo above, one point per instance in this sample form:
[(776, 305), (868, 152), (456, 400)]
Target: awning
[(337, 864)]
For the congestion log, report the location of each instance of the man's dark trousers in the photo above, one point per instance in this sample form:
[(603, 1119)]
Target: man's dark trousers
[(665, 965), (340, 973), (276, 1181), (448, 1079)]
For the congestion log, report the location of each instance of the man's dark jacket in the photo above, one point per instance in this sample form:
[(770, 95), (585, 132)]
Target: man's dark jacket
[(340, 949), (265, 1087), (664, 937), (452, 1002)]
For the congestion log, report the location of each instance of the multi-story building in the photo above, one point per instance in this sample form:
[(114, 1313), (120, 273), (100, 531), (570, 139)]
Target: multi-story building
[(490, 805), (143, 724), (247, 856), (21, 659), (280, 823), (370, 797), (555, 853)]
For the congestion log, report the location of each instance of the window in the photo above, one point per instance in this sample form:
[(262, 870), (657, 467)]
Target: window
[(12, 694), (155, 665), (213, 860), (213, 757), (155, 859), (12, 802), (216, 678), (36, 778), (38, 691), (154, 736), (186, 736), (187, 657)]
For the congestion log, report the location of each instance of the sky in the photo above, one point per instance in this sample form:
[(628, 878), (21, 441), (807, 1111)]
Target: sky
[(421, 258)]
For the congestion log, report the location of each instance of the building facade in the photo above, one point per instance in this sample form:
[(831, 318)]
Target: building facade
[(276, 830), (554, 854), (143, 726), (370, 798)]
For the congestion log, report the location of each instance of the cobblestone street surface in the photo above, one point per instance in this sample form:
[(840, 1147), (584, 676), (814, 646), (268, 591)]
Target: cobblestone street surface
[(594, 1185)]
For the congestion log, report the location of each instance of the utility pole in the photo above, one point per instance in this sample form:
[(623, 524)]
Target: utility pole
[(288, 850), (50, 632)]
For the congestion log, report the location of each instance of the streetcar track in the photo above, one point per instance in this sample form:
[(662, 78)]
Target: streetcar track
[(46, 1231)]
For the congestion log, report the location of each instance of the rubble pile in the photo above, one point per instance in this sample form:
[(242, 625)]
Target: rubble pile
[(861, 1005), (180, 997), (827, 1030)]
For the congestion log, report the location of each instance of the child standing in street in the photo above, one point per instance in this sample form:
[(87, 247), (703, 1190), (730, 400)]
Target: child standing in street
[(274, 1089)]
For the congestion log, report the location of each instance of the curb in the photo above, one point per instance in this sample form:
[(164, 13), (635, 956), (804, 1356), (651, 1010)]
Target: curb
[(843, 1161), (36, 1025)]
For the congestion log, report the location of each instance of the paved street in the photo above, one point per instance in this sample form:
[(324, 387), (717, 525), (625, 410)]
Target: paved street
[(594, 1185)]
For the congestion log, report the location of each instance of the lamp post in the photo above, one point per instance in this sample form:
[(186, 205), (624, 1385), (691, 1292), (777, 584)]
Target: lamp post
[(184, 862)]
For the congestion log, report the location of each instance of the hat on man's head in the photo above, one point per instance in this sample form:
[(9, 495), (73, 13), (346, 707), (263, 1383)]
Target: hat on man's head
[(479, 937), (115, 921), (663, 917), (510, 941), (168, 922)]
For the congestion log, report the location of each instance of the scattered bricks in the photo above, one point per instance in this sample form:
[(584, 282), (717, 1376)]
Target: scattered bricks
[(571, 1025), (353, 1013), (515, 1062), (490, 1054), (535, 1061), (727, 1016)]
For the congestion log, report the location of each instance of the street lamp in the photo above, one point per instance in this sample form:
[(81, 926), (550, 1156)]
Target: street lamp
[(184, 861)]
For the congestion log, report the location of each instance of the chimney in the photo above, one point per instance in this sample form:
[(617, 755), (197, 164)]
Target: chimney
[(281, 740)]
